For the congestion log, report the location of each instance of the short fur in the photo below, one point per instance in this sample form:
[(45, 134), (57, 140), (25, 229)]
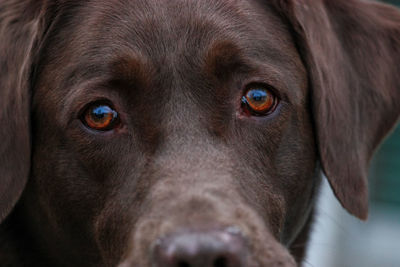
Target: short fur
[(186, 157)]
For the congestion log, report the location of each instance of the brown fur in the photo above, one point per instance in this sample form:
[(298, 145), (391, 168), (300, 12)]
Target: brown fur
[(186, 158)]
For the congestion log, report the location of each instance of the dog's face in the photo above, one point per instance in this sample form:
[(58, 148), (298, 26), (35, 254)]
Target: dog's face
[(182, 133), (183, 151)]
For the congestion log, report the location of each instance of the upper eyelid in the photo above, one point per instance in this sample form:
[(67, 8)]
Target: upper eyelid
[(265, 73)]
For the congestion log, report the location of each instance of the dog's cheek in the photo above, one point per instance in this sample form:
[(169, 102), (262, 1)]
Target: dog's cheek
[(256, 142), (298, 172), (276, 163), (63, 196), (72, 194), (61, 202)]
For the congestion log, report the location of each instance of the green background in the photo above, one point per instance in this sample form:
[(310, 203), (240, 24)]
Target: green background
[(385, 170)]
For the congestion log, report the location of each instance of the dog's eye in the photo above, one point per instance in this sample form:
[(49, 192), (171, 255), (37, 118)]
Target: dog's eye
[(100, 117), (259, 101)]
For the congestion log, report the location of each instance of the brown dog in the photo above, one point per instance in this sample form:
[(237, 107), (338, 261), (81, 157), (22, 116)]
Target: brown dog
[(186, 133)]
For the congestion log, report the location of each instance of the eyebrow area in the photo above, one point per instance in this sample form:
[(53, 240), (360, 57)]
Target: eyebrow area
[(224, 58)]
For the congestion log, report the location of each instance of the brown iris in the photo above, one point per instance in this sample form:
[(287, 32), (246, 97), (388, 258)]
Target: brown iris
[(259, 100), (100, 117)]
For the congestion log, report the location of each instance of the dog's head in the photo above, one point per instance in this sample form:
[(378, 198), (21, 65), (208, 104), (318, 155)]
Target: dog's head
[(189, 133)]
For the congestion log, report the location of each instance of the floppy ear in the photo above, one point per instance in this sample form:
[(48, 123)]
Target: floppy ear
[(351, 49), (19, 27)]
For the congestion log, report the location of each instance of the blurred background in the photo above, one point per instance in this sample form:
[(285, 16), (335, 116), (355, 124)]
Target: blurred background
[(340, 240)]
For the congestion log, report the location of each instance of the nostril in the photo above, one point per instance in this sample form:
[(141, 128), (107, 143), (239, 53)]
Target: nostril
[(183, 264), (220, 262)]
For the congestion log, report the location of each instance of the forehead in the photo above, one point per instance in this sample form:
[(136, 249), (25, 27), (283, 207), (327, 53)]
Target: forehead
[(92, 35), (150, 25)]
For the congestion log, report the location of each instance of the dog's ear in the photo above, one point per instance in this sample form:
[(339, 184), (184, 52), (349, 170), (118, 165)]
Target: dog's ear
[(19, 29), (351, 49)]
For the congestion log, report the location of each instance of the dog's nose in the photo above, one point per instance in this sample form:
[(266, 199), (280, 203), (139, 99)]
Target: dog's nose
[(216, 248)]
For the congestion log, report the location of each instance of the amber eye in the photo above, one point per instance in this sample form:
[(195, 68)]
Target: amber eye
[(100, 117), (259, 101)]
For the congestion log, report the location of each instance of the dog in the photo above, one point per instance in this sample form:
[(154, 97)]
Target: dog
[(186, 133)]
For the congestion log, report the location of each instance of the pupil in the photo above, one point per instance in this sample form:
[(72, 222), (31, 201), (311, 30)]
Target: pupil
[(258, 95)]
